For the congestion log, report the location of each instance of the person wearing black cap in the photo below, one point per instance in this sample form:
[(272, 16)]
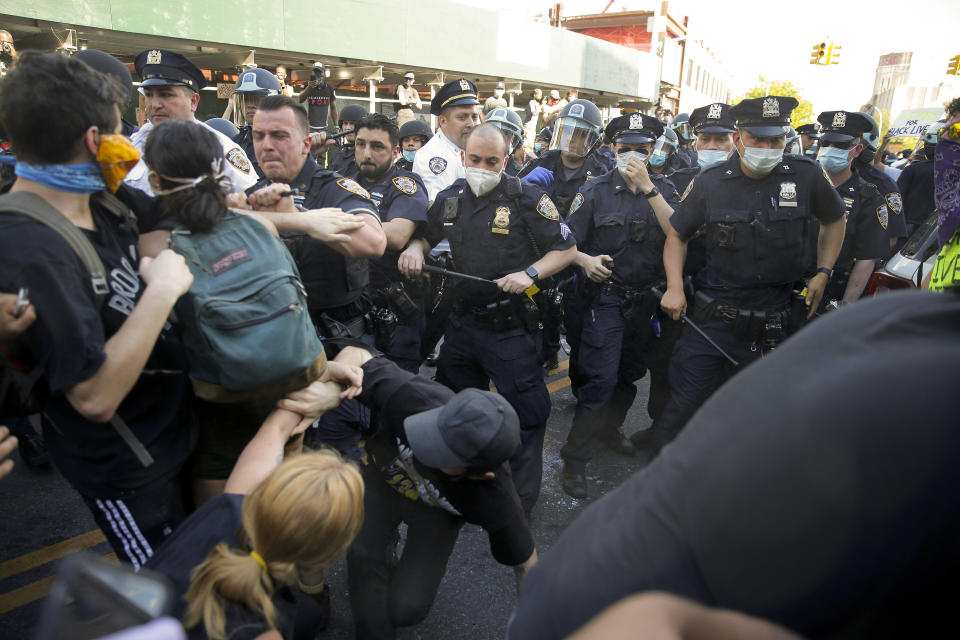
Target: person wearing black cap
[(341, 157), (681, 126), (809, 135), (439, 162), (436, 460), (496, 100), (865, 209), (757, 209), (322, 99), (171, 88), (413, 135), (620, 221), (542, 141), (897, 227), (508, 232)]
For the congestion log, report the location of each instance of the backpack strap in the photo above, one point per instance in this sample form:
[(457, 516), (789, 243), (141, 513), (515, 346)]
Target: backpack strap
[(36, 208)]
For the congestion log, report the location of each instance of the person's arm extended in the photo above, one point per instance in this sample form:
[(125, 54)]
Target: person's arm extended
[(98, 397), (520, 570), (369, 241), (552, 262), (398, 232), (264, 452), (411, 260), (829, 242), (859, 276), (674, 301)]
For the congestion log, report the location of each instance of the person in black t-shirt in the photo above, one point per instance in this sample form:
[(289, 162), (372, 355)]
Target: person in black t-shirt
[(321, 99), (106, 349), (435, 462)]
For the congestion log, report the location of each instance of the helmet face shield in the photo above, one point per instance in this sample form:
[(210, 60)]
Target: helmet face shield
[(575, 136), (245, 106), (683, 130)]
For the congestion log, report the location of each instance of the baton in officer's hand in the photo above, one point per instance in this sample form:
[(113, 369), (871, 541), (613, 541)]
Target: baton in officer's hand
[(683, 316), (455, 274)]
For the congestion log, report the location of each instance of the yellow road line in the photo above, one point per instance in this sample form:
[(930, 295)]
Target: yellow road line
[(556, 385), (48, 554), (31, 592)]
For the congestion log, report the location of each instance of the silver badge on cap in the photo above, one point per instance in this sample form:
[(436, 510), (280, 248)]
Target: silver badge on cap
[(636, 122), (771, 108), (714, 112), (839, 120), (464, 85), (154, 57)]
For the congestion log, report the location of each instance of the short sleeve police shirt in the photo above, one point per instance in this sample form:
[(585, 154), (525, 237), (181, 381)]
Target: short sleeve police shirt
[(438, 164)]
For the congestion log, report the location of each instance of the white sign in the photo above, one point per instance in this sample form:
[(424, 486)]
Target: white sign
[(912, 123)]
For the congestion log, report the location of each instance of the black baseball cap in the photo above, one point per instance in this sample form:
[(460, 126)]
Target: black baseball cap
[(474, 429)]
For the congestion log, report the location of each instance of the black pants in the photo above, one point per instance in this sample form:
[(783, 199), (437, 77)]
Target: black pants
[(384, 595)]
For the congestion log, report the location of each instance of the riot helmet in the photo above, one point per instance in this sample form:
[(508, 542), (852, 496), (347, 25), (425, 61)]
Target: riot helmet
[(578, 128), (251, 86), (681, 126), (416, 128), (224, 126), (510, 124)]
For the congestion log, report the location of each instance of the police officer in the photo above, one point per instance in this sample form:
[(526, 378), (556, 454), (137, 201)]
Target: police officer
[(713, 128), (509, 232), (402, 202), (439, 162), (541, 143), (863, 164), (511, 126), (681, 126), (916, 180), (865, 209), (809, 135), (342, 157), (571, 161), (664, 158), (252, 85), (171, 87), (413, 135), (756, 210), (620, 221), (332, 264)]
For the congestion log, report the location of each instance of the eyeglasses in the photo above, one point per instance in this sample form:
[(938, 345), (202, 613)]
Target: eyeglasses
[(839, 145)]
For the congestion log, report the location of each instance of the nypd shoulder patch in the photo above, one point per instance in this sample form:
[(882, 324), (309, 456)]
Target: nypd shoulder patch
[(353, 187), (437, 165), (894, 202), (883, 216), (686, 191), (576, 204), (238, 159), (547, 209), (405, 185)]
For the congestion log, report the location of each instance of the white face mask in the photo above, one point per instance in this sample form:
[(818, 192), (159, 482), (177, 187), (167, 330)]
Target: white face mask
[(760, 160), (711, 157), (624, 157), (482, 181)]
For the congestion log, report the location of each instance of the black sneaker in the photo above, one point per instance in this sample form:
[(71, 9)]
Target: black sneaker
[(574, 482), (618, 442), (32, 449)]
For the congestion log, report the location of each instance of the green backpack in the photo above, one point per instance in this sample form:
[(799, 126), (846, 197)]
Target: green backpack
[(246, 328)]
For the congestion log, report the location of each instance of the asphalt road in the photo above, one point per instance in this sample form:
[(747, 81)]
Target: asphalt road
[(44, 520)]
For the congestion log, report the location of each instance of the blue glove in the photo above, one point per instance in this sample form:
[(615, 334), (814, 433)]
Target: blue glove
[(540, 176)]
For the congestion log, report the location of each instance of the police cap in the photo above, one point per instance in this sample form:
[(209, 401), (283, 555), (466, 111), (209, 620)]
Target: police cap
[(842, 126), (545, 134), (159, 67), (766, 117), (634, 128), (460, 92), (713, 118), (811, 130)]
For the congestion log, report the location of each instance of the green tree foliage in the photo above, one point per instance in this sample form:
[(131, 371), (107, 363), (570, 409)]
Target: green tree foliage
[(803, 114)]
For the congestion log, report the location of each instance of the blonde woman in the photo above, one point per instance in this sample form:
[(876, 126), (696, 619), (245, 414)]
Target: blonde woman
[(236, 558)]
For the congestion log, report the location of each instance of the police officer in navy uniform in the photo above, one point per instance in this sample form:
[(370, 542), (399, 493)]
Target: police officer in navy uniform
[(512, 127), (681, 126), (401, 199), (809, 138), (756, 209), (620, 221), (341, 156), (413, 135), (713, 128), (863, 164), (865, 210), (509, 232), (252, 85)]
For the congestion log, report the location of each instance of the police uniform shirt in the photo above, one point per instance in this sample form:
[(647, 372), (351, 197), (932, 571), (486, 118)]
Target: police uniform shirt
[(237, 168), (607, 218), (343, 159), (566, 182), (398, 194), (244, 139), (495, 235), (513, 167), (866, 214), (916, 186), (330, 278), (681, 177), (755, 229), (438, 164), (897, 226)]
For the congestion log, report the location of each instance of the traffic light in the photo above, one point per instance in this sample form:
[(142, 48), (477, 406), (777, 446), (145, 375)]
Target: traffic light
[(953, 67), (833, 52), (819, 51)]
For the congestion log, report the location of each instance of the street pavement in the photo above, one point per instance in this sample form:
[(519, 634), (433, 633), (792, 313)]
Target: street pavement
[(44, 520)]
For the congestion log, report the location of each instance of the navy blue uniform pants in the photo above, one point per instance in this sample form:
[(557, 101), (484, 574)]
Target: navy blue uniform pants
[(612, 355), (472, 355), (405, 350)]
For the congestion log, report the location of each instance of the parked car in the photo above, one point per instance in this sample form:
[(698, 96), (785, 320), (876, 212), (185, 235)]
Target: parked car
[(907, 268)]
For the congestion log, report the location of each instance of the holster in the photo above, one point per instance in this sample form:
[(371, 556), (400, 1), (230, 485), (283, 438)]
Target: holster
[(749, 325), (704, 307), (353, 328)]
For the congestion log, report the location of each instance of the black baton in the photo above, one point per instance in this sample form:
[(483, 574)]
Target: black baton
[(455, 274), (703, 334)]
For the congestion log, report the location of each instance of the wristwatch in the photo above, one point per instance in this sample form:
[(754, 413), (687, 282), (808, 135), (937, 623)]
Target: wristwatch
[(653, 193), (829, 272), (533, 273)]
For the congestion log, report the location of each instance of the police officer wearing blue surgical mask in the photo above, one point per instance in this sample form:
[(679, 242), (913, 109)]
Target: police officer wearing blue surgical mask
[(413, 135), (757, 210), (865, 210), (620, 220)]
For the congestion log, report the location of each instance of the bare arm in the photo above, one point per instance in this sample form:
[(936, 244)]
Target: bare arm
[(369, 241), (674, 302), (152, 243), (410, 262), (264, 452), (552, 262), (398, 232), (98, 397), (829, 243), (859, 276), (333, 112)]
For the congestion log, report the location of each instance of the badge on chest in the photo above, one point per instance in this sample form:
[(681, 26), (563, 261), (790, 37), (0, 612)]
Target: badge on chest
[(788, 194), (501, 221)]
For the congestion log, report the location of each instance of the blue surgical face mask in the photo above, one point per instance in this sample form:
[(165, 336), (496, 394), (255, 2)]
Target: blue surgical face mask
[(539, 147), (624, 157), (761, 161), (408, 155), (711, 157), (658, 158), (72, 178), (833, 160)]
